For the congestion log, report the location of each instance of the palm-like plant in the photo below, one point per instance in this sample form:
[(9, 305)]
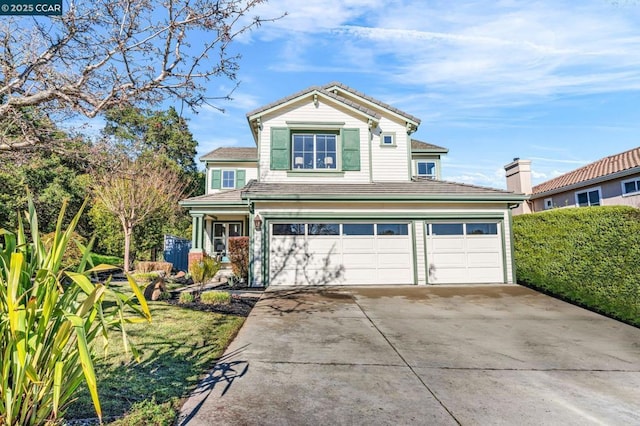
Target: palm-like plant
[(50, 319)]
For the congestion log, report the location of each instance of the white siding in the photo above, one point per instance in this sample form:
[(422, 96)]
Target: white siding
[(306, 111), (420, 247), (250, 168), (390, 163)]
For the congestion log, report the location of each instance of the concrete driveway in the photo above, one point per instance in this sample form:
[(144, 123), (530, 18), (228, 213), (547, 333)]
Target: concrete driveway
[(466, 355)]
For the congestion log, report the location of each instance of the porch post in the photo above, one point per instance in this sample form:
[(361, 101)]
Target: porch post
[(196, 253)]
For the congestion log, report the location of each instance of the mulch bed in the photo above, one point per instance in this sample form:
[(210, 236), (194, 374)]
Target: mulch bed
[(240, 305)]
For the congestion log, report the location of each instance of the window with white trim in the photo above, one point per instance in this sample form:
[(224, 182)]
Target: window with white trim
[(590, 197), (426, 169), (388, 139), (314, 151), (548, 203), (631, 186), (228, 179)]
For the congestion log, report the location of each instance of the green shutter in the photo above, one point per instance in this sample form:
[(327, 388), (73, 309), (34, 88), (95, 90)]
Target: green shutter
[(240, 178), (280, 148), (216, 179), (350, 149)]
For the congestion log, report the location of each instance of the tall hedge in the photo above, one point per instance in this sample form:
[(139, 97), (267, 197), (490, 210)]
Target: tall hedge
[(588, 255)]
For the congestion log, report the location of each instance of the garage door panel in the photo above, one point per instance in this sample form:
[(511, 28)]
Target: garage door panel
[(359, 259), (359, 244), (466, 258), (447, 243)]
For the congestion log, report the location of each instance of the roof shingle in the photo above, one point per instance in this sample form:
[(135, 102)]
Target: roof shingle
[(606, 166), (232, 154), (417, 145)]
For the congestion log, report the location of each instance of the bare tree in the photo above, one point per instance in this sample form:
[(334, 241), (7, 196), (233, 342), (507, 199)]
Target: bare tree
[(107, 52), (135, 192)]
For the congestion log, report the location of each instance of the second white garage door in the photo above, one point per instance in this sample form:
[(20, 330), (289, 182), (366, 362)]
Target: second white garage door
[(459, 253), (340, 253)]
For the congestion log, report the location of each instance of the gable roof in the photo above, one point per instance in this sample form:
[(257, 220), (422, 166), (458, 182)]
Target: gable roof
[(375, 101), (611, 165), (415, 190), (311, 90), (231, 154), (231, 197), (418, 146)]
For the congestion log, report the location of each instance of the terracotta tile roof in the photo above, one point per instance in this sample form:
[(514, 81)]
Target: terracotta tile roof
[(417, 188), (310, 90), (373, 100), (417, 145), (232, 153), (603, 167)]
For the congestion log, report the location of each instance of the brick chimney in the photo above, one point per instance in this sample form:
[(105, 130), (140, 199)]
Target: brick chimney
[(519, 181)]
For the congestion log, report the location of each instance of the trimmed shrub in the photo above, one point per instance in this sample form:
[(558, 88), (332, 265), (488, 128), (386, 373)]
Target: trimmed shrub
[(239, 256), (215, 297), (165, 267), (186, 297), (587, 255), (204, 270)]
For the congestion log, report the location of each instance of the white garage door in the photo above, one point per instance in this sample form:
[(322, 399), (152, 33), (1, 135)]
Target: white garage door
[(340, 253), (464, 253)]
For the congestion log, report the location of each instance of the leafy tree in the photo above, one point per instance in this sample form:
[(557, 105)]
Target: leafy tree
[(102, 54), (136, 192)]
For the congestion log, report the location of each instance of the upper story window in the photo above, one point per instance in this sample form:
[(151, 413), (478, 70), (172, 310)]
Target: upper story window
[(228, 179), (631, 186), (589, 197), (388, 139), (314, 151), (426, 169)]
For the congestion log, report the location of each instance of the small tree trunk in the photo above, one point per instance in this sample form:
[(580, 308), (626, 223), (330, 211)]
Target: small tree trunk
[(127, 248)]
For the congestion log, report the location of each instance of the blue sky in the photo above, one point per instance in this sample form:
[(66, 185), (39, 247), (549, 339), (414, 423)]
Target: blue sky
[(557, 82)]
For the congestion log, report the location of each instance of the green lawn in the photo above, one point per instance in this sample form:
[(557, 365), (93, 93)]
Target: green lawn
[(178, 347)]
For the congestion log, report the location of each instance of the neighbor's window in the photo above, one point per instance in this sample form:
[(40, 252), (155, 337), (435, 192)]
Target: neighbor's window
[(426, 169), (288, 229), (393, 229), (548, 203), (388, 139), (631, 186), (588, 198), (314, 151), (228, 179)]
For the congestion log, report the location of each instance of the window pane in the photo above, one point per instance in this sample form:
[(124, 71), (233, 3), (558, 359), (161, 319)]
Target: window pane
[(630, 187), (447, 229), (482, 228), (325, 151), (357, 229), (583, 201), (324, 229), (594, 198), (228, 178), (393, 229), (387, 139), (288, 229), (426, 168)]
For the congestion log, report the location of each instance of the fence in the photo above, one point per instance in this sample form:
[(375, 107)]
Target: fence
[(176, 251)]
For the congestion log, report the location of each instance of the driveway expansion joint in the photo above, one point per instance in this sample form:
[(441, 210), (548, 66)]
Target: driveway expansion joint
[(346, 364), (355, 300)]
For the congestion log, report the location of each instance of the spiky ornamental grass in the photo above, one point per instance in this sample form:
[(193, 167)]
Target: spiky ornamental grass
[(50, 321)]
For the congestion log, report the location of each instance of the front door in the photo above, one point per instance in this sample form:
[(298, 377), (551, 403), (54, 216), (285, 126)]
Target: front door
[(222, 231)]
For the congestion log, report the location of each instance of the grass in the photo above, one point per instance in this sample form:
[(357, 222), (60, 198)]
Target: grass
[(214, 297), (178, 347), (107, 260)]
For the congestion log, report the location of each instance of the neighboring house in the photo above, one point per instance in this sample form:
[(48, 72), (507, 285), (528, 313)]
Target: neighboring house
[(337, 192), (613, 180)]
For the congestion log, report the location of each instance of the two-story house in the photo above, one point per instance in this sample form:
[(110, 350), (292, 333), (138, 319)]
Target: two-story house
[(337, 192)]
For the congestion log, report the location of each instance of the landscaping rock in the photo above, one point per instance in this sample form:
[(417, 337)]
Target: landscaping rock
[(155, 289)]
